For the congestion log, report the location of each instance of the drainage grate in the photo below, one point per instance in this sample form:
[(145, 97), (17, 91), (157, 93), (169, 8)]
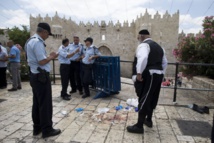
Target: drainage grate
[(195, 128), (2, 100)]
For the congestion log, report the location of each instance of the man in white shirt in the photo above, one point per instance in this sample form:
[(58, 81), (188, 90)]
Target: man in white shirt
[(148, 70), (3, 67)]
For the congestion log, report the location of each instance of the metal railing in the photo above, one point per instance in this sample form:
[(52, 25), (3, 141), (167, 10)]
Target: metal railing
[(175, 87)]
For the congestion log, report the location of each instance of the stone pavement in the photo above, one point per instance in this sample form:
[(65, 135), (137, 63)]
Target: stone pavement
[(88, 127)]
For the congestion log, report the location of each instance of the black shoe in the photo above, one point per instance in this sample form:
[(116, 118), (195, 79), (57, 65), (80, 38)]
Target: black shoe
[(148, 123), (85, 96), (36, 132), (53, 132), (72, 91), (3, 87), (206, 110), (12, 89), (66, 98), (68, 95), (19, 87), (135, 129), (80, 92)]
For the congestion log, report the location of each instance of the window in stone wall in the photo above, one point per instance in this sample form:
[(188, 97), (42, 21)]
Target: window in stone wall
[(103, 37)]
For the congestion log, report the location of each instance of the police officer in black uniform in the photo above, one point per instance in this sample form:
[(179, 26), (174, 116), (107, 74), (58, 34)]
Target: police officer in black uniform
[(42, 109)]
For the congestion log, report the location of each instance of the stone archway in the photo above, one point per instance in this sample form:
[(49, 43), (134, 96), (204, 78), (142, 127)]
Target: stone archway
[(105, 51)]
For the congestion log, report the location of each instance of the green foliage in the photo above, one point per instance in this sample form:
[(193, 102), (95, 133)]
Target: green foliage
[(1, 32), (19, 36), (198, 49)]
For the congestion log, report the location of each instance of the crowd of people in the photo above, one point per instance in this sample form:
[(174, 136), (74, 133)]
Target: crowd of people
[(76, 61)]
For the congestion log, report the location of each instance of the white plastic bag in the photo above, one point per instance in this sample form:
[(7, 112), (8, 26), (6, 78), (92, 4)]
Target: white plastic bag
[(102, 110), (132, 102)]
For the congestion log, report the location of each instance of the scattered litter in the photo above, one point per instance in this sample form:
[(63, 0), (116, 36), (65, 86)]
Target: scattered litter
[(64, 112), (128, 108), (136, 109), (132, 102), (79, 109), (102, 110), (198, 109), (82, 114), (119, 107)]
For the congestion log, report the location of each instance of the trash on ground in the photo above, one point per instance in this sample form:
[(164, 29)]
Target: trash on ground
[(119, 107), (64, 112), (102, 110), (127, 108), (79, 109), (136, 109), (199, 109), (132, 102)]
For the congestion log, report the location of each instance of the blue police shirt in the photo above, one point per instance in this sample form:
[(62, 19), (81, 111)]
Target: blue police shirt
[(3, 54), (88, 52), (15, 52), (36, 52), (63, 53), (73, 48)]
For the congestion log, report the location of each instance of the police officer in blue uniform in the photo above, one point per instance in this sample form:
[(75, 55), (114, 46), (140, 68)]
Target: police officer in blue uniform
[(90, 53), (75, 79), (38, 61), (64, 59)]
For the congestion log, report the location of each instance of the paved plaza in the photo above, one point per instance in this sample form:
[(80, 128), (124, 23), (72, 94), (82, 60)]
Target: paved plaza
[(172, 124)]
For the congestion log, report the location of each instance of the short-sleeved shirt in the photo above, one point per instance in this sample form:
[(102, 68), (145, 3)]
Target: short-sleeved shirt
[(3, 54), (15, 52), (88, 52), (63, 53), (73, 48), (36, 52)]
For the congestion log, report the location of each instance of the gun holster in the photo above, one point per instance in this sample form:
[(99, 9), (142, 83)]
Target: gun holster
[(42, 75)]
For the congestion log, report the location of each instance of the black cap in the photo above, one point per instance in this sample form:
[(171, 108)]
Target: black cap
[(144, 32), (45, 26), (89, 39)]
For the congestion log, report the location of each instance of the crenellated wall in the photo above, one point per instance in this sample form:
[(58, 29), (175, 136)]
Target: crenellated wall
[(119, 39)]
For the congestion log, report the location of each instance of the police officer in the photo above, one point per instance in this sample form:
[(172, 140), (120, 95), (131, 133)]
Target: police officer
[(149, 67), (38, 61), (90, 53), (64, 59), (75, 79)]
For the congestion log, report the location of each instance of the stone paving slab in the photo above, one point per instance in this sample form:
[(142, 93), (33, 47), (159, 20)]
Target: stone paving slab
[(88, 126)]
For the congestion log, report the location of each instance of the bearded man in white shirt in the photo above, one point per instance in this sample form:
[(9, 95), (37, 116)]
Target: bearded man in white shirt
[(148, 70)]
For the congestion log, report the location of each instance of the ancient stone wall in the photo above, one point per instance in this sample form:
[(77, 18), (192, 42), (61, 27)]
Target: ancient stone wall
[(119, 39)]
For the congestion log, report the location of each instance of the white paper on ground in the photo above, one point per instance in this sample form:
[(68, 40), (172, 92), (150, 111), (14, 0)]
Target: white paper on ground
[(132, 102)]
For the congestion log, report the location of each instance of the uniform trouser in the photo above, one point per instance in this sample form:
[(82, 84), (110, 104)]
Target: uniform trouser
[(42, 109), (87, 77), (3, 81), (16, 79), (75, 79), (148, 99), (65, 75)]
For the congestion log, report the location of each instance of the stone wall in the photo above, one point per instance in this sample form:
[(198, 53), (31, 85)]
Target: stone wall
[(119, 39)]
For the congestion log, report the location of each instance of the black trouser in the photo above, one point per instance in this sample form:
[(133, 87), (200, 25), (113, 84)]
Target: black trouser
[(87, 77), (212, 134), (3, 81), (75, 79), (65, 75), (148, 98), (42, 109)]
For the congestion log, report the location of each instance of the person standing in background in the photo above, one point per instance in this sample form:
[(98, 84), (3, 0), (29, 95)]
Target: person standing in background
[(90, 53), (3, 67), (64, 60), (14, 59), (75, 79)]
